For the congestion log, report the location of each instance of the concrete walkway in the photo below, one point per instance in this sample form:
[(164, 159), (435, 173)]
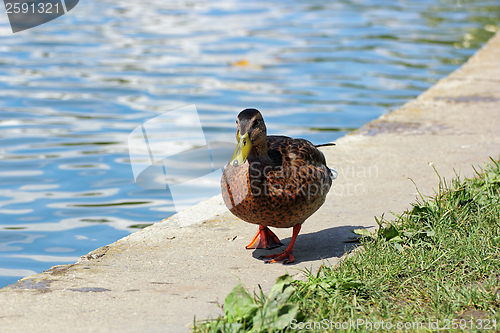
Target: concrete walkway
[(158, 279)]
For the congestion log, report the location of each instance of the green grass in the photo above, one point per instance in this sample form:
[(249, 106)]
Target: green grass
[(435, 266)]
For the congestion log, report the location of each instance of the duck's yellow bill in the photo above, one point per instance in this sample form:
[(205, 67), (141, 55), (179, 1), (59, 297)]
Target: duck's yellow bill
[(242, 150)]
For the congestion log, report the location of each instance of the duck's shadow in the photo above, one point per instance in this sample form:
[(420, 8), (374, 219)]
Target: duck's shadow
[(323, 244)]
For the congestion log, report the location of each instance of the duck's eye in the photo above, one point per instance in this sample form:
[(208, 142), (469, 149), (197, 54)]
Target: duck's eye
[(256, 123)]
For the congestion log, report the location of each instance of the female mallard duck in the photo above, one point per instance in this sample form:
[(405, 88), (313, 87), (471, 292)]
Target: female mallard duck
[(273, 181)]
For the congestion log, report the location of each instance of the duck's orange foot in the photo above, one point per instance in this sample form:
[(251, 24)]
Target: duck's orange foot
[(264, 239), (283, 257)]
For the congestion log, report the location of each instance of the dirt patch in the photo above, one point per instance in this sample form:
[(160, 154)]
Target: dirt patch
[(469, 99), (59, 270), (32, 284), (96, 254), (407, 128), (474, 313), (90, 289)]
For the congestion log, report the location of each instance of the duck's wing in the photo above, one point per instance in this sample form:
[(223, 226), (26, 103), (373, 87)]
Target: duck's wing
[(289, 152), (302, 167)]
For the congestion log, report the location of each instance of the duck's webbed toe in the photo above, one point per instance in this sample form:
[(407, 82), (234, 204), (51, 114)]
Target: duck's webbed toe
[(264, 239)]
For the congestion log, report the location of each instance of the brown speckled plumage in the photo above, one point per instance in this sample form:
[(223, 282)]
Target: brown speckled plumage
[(282, 182), (282, 191)]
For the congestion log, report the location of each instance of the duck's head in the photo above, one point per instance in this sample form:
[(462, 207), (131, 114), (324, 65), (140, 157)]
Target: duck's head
[(251, 134)]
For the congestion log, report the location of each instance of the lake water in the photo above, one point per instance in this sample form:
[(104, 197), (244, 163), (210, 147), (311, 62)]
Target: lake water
[(72, 90)]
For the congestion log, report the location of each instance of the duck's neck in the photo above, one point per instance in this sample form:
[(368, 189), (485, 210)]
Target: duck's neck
[(259, 149), (258, 154)]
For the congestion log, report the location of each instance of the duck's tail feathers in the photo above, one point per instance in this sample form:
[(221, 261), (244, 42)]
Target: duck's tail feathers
[(324, 145)]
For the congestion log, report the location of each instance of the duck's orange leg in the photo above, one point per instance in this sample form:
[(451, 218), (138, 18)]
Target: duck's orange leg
[(286, 257), (264, 239)]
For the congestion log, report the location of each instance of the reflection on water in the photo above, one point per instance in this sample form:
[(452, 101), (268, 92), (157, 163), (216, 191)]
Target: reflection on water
[(72, 90)]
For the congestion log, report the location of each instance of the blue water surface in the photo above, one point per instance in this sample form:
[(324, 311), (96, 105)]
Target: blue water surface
[(73, 89)]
